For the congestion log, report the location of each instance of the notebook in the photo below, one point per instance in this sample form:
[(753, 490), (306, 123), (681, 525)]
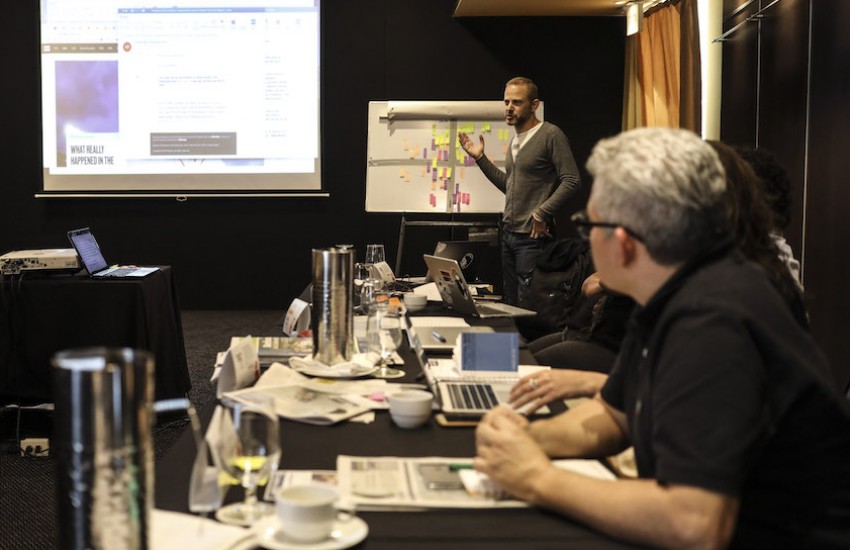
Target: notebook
[(455, 292), (86, 246), (444, 338)]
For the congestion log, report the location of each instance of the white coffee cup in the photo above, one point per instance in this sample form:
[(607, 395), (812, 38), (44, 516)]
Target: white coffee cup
[(306, 512), (414, 302), (410, 408)]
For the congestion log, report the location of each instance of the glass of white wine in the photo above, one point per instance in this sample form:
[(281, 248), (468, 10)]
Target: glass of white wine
[(249, 451), (384, 328)]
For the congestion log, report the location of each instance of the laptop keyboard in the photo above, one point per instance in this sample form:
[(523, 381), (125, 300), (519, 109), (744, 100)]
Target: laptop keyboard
[(121, 271), (472, 396)]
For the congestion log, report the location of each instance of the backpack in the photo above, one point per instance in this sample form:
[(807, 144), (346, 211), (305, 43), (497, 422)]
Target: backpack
[(555, 287)]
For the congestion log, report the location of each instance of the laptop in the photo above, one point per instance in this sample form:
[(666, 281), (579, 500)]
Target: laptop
[(471, 256), (465, 397), (454, 291), (462, 397), (86, 246)]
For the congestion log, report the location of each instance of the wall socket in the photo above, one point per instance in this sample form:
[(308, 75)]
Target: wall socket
[(35, 446)]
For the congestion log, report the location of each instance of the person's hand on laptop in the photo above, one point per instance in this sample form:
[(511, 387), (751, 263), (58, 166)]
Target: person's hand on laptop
[(506, 452), (543, 387)]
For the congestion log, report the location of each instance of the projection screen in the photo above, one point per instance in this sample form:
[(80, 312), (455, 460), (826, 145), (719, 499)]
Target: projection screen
[(185, 96)]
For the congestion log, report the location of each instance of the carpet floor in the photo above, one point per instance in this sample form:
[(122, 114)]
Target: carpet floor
[(28, 485)]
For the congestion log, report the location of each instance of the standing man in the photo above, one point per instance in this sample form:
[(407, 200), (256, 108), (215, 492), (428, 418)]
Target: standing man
[(541, 174), (741, 436)]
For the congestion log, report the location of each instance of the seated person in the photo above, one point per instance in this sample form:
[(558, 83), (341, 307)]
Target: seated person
[(582, 355), (741, 437), (776, 185), (751, 224)]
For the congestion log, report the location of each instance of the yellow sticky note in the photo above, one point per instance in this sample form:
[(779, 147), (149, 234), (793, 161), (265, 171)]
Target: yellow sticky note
[(434, 163), (449, 173)]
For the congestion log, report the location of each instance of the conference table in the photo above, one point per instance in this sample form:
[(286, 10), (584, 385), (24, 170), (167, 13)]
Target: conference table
[(43, 314), (310, 447)]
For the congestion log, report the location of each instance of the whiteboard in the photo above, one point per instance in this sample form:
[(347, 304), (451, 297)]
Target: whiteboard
[(415, 163)]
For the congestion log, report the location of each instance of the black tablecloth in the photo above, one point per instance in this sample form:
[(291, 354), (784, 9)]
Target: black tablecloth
[(40, 315)]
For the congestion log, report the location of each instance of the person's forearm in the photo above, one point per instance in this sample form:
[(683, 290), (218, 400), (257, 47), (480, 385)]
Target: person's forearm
[(585, 431), (638, 510), (492, 172)]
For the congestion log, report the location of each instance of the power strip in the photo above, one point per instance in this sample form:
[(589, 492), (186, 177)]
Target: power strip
[(36, 447)]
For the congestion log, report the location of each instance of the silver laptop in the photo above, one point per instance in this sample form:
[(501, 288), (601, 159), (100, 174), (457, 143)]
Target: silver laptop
[(454, 291), (86, 246), (465, 397), (472, 397)]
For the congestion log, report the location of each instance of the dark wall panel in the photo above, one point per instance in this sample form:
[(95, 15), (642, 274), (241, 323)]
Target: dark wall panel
[(782, 104), (739, 84), (255, 253), (827, 263)]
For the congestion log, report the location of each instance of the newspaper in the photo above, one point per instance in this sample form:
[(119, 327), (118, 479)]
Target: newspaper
[(393, 483), (277, 347), (311, 401)]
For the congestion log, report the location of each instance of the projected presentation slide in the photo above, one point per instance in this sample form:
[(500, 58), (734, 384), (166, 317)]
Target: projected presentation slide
[(183, 95)]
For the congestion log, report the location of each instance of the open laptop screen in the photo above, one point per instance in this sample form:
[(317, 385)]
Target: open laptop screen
[(88, 249)]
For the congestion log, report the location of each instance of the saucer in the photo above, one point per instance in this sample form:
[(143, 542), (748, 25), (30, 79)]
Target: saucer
[(325, 372), (346, 533)]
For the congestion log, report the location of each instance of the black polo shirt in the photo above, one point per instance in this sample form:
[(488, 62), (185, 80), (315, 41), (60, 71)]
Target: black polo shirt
[(723, 390)]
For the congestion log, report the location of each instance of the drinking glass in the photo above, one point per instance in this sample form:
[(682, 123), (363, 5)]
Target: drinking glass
[(374, 254), (383, 334), (249, 448)]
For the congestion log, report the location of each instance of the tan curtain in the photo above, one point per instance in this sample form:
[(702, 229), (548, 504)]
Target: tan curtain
[(662, 69), (633, 93), (659, 67)]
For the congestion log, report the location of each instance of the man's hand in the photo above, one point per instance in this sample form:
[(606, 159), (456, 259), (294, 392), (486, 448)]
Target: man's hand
[(539, 228), (507, 453), (474, 151), (544, 387), (592, 285)]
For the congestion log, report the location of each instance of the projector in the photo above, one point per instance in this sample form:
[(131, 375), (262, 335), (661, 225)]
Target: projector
[(52, 259)]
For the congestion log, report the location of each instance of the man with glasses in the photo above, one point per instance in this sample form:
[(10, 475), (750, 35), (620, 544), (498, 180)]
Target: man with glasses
[(540, 175), (741, 436)]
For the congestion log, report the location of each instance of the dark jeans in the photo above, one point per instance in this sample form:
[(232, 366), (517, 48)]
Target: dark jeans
[(519, 256)]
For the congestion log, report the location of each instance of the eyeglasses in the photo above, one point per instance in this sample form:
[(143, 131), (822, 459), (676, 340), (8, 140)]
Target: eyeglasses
[(584, 225)]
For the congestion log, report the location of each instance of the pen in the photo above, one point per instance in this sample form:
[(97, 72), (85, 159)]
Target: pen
[(438, 337), (454, 467)]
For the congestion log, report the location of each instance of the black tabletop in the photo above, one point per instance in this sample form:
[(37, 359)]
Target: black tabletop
[(317, 447)]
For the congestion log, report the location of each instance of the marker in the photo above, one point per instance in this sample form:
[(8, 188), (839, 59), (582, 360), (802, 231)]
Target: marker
[(454, 467), (438, 337)]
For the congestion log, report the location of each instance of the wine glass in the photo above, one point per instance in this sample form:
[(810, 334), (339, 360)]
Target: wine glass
[(383, 334), (249, 450), (374, 254), (365, 286)]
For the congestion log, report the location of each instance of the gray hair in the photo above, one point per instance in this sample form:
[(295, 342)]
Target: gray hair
[(666, 185)]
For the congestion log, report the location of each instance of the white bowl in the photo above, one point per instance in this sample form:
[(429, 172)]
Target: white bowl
[(409, 421), (410, 408), (414, 302)]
